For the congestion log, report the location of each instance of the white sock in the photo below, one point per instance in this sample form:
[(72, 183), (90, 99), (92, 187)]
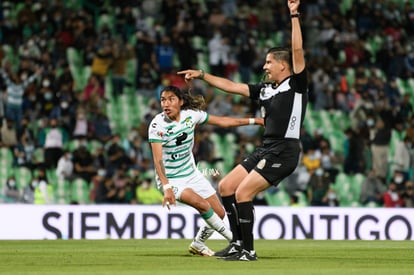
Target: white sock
[(215, 222), (203, 234)]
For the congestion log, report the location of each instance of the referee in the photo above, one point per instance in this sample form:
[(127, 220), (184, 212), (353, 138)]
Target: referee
[(283, 100)]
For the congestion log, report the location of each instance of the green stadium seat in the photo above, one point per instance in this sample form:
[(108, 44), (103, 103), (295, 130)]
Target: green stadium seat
[(280, 198), (345, 6), (401, 85), (350, 76), (337, 139), (356, 185), (79, 191), (342, 187), (216, 139), (23, 176), (410, 84), (62, 191), (395, 138)]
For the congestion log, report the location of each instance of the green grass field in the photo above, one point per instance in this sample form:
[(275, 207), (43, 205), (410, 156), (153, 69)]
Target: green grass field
[(171, 257)]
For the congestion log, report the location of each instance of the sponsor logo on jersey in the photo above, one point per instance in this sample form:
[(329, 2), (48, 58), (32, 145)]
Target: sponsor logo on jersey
[(179, 155)]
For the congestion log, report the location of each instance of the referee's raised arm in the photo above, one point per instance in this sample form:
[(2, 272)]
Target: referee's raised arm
[(298, 58)]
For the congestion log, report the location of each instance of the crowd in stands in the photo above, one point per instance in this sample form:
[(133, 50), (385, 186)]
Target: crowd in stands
[(72, 73)]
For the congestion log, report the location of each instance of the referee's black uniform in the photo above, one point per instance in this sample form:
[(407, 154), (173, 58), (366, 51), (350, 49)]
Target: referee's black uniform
[(283, 109)]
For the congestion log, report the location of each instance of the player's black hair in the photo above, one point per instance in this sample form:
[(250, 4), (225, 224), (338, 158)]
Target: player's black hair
[(190, 101), (281, 53)]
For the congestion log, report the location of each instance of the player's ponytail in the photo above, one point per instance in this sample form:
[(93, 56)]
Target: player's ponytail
[(194, 102)]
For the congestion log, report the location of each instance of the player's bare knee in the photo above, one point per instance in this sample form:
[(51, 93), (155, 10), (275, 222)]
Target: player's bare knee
[(201, 205), (242, 196), (225, 187)]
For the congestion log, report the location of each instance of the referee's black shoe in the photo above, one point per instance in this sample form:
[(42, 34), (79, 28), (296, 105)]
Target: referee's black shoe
[(243, 255), (231, 249)]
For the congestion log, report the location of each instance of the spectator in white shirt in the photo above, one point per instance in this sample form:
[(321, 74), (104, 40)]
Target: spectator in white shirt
[(65, 166)]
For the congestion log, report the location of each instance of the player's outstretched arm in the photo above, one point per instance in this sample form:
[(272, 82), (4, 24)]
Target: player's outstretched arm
[(223, 121)]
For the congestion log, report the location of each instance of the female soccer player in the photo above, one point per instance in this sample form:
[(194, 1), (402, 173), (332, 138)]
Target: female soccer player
[(171, 135)]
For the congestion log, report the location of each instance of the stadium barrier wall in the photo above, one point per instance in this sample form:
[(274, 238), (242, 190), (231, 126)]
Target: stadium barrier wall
[(38, 222)]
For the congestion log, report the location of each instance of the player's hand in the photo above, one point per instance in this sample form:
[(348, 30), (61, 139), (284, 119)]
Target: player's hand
[(169, 199), (190, 74), (293, 6)]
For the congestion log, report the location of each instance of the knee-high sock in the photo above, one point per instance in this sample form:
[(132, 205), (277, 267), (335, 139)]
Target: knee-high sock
[(230, 206), (214, 221), (204, 233), (246, 220)]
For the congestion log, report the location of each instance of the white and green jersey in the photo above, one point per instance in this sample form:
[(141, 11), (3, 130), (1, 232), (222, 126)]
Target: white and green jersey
[(177, 140)]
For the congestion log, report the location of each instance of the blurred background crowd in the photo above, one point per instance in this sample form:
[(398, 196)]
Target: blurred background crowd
[(80, 81)]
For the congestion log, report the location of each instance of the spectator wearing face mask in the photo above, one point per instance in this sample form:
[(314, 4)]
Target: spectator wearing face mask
[(147, 193), (380, 137), (372, 190), (43, 190), (318, 188), (311, 160), (392, 197), (48, 99), (52, 138), (399, 178), (82, 127), (65, 166), (11, 192), (331, 198)]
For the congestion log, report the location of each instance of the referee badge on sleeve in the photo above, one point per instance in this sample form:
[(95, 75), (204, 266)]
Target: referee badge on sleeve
[(261, 164)]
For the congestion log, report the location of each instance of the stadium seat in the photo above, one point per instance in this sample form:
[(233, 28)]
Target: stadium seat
[(342, 187), (402, 86), (6, 156), (356, 184), (350, 76), (395, 138), (216, 139), (280, 198), (79, 191), (61, 189), (23, 176), (336, 140)]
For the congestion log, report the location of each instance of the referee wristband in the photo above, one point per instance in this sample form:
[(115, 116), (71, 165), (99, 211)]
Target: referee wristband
[(201, 74), (251, 121), (165, 187)]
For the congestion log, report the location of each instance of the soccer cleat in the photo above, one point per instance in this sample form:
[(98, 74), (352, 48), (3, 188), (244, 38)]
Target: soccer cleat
[(231, 249), (243, 255), (200, 249)]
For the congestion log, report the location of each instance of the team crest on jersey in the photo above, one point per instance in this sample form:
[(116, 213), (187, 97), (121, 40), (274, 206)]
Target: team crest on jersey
[(188, 121), (261, 164)]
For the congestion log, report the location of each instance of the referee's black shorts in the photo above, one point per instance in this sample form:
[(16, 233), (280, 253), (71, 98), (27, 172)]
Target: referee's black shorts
[(274, 160)]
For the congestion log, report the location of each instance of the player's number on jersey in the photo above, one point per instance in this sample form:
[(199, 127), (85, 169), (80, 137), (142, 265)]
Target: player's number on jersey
[(180, 139)]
